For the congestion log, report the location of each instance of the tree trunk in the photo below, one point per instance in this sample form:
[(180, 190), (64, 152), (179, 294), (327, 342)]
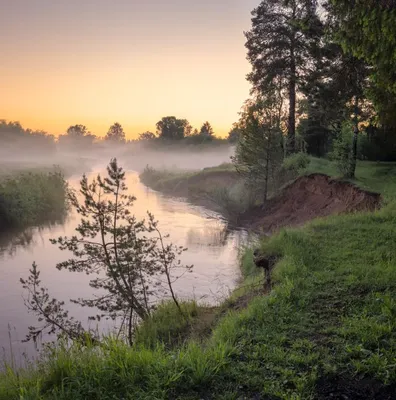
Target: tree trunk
[(352, 165), (291, 130), (267, 166)]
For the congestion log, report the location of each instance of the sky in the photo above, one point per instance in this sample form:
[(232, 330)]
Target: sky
[(96, 62)]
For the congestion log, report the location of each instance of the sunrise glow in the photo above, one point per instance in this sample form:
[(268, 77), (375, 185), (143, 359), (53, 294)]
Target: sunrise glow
[(94, 63)]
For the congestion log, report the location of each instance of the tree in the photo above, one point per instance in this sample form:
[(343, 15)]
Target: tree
[(368, 30), (129, 260), (147, 136), (207, 130), (259, 152), (280, 46), (172, 128), (115, 134), (234, 134), (330, 91), (77, 131)]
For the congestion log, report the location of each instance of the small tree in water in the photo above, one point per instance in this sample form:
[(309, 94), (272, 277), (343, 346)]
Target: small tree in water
[(130, 259)]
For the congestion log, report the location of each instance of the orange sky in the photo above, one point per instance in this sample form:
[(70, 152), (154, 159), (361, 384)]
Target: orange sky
[(95, 62)]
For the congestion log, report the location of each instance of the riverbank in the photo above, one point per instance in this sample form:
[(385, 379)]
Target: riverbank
[(198, 187), (326, 330), (309, 196)]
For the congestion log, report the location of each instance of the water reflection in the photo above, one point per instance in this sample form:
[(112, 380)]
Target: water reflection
[(27, 238), (213, 235)]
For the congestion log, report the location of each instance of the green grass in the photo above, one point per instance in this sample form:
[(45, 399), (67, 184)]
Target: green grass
[(31, 197), (168, 327), (375, 176)]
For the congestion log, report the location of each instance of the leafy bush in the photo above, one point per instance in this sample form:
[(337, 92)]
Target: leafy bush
[(297, 162)]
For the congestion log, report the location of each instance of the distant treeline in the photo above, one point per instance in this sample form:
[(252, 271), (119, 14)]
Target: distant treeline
[(13, 136)]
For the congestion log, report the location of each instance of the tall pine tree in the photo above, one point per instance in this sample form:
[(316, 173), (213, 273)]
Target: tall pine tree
[(281, 44)]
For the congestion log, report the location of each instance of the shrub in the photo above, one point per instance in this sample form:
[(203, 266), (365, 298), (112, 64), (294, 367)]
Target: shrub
[(297, 162)]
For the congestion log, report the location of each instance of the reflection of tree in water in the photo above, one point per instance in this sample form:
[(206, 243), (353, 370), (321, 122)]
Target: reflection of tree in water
[(210, 235), (11, 241)]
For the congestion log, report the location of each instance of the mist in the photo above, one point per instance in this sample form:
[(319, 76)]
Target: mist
[(25, 154)]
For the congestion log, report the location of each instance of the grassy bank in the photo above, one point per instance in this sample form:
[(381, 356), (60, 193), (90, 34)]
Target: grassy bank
[(376, 176), (31, 197), (217, 188)]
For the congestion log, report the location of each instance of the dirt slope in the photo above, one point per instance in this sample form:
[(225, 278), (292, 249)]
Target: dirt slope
[(309, 197)]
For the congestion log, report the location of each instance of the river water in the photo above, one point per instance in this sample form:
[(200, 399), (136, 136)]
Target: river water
[(212, 248)]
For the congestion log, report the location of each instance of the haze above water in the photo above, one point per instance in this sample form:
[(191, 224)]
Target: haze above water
[(212, 248)]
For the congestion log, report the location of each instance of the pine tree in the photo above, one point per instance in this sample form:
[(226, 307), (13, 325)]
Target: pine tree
[(206, 130), (280, 47)]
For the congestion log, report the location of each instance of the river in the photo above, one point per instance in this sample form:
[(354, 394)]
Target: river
[(212, 248)]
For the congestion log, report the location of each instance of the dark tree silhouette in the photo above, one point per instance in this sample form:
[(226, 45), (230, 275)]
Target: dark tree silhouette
[(173, 128), (115, 133)]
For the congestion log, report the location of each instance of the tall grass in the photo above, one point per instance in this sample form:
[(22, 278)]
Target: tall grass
[(30, 197), (233, 201)]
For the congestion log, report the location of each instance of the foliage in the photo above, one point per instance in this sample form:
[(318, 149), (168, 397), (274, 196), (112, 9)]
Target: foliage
[(77, 131), (147, 136), (115, 134), (77, 137), (369, 31), (172, 128), (14, 138), (281, 44), (233, 201), (342, 150), (129, 259), (28, 198), (259, 152), (377, 144), (297, 162), (206, 130), (234, 134)]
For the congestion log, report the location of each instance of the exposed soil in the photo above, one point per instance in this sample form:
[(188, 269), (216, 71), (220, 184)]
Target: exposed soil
[(309, 197)]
